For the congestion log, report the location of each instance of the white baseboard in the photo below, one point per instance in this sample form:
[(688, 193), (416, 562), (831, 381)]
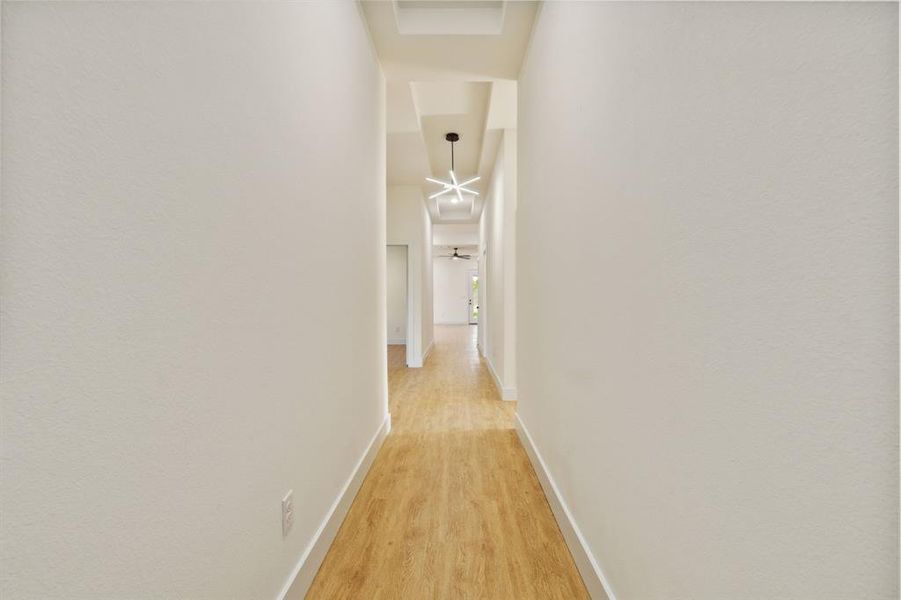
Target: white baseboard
[(302, 577), (507, 393), (453, 323), (597, 584), (428, 351), (397, 342)]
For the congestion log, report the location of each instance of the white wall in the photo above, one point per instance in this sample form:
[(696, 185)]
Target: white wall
[(428, 332), (397, 294), (408, 222), (180, 346), (497, 230), (482, 332), (455, 234), (708, 279), (452, 280)]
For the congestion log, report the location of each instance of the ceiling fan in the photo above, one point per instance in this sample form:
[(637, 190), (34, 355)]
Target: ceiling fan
[(456, 256)]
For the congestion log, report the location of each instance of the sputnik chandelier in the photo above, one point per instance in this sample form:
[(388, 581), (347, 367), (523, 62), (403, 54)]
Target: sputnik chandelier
[(453, 185)]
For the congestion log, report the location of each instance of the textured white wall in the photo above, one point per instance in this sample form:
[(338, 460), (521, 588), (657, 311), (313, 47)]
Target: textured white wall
[(428, 330), (708, 291), (408, 222), (497, 231), (180, 346), (492, 216), (397, 294)]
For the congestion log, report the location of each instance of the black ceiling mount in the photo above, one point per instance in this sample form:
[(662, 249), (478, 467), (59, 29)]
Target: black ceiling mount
[(452, 137)]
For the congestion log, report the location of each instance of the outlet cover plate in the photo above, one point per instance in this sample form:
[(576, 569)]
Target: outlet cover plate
[(287, 513)]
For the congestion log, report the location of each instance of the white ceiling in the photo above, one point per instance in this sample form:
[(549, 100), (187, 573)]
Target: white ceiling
[(459, 57), (440, 17), (453, 68)]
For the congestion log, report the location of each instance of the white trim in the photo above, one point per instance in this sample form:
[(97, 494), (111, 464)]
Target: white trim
[(494, 377), (597, 584), (397, 342), (302, 576), (507, 393), (453, 323), (428, 351)]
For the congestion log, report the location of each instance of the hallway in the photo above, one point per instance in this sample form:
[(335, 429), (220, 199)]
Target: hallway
[(242, 246), (451, 507)]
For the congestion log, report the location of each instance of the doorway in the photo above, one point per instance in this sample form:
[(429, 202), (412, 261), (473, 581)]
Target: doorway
[(473, 281), (396, 313), (401, 328)]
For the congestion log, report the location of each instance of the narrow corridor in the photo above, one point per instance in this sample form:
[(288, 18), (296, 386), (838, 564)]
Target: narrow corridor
[(451, 507)]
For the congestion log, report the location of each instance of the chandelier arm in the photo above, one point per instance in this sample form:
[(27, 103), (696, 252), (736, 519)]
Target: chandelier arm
[(441, 193)]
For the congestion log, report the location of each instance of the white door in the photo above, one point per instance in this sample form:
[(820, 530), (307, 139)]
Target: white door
[(473, 281)]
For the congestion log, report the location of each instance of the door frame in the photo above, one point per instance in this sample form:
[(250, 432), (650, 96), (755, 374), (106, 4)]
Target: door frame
[(470, 274), (409, 295)]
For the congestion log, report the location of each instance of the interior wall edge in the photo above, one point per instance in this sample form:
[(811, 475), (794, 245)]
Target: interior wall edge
[(302, 577), (592, 575)]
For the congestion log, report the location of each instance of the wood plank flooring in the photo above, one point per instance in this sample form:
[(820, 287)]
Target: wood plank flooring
[(451, 507)]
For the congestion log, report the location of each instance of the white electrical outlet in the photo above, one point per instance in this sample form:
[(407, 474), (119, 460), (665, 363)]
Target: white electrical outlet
[(287, 513)]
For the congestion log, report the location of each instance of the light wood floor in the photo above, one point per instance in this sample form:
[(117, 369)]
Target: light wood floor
[(451, 507)]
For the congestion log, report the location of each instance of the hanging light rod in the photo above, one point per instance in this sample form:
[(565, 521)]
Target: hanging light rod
[(453, 185)]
